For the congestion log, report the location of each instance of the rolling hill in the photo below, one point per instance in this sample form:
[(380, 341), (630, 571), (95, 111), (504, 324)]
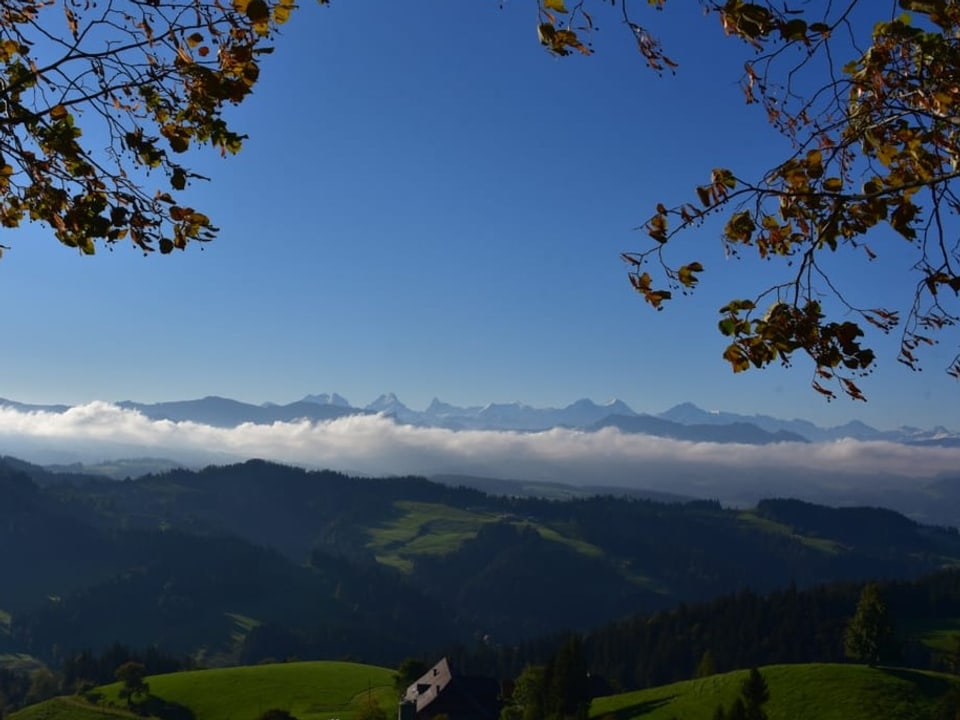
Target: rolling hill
[(309, 690), (797, 692), (321, 564)]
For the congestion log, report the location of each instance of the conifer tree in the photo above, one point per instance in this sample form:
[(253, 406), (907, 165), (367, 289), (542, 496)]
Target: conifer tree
[(755, 694)]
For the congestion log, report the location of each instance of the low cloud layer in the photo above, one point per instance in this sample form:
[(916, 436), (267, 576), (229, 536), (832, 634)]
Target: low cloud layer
[(375, 445)]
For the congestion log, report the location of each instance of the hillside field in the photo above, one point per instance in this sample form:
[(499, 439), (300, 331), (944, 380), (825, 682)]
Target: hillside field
[(309, 690), (422, 528), (797, 692)]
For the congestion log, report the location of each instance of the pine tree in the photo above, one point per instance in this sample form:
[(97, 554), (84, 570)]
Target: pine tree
[(567, 683), (755, 694), (707, 665)]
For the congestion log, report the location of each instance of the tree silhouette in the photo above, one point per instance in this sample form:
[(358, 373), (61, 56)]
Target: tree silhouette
[(132, 675), (276, 714), (870, 635), (755, 694)]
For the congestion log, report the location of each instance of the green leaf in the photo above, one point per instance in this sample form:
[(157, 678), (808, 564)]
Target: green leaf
[(727, 325)]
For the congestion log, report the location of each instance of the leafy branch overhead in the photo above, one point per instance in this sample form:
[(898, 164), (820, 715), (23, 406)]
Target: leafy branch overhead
[(868, 95), (146, 79)]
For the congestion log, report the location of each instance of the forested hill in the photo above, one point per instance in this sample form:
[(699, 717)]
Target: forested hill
[(262, 560), (748, 629)]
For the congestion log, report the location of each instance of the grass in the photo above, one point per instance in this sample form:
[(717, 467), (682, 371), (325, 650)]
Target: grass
[(424, 528), (21, 662), (797, 692), (69, 708), (940, 634), (584, 548), (308, 690), (242, 626), (331, 690), (771, 526), (433, 529)]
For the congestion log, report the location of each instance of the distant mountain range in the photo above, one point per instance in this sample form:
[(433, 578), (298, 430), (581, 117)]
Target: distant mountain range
[(684, 422)]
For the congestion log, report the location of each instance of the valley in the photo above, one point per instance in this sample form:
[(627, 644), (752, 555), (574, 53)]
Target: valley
[(236, 565)]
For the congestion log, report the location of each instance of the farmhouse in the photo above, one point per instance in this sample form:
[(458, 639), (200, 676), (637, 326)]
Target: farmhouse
[(439, 691)]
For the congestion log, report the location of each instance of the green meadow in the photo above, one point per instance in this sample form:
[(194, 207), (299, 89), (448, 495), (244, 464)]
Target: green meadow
[(69, 708), (423, 528), (940, 634), (797, 692), (771, 526), (308, 690)]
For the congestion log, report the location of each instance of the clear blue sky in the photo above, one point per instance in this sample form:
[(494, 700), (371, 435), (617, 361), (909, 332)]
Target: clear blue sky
[(430, 204)]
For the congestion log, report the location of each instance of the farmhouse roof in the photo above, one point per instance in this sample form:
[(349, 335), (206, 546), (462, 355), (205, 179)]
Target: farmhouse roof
[(428, 686)]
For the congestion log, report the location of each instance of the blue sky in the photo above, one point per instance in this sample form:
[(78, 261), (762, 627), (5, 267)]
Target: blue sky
[(431, 204)]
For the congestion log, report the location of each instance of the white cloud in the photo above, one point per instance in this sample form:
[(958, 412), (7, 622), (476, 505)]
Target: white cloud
[(377, 445)]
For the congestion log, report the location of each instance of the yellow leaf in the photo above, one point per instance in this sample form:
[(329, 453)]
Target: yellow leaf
[(8, 48), (282, 11), (259, 15), (556, 5), (833, 184)]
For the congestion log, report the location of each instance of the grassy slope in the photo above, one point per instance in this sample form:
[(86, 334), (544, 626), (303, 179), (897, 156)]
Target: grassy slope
[(20, 662), (940, 634), (423, 528), (309, 690), (432, 529), (797, 692), (68, 708), (750, 517)]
